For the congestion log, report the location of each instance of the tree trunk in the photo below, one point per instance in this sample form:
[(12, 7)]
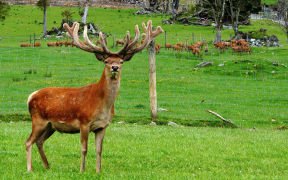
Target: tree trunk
[(218, 34), (173, 8), (84, 17), (45, 21), (235, 28), (167, 6), (176, 4), (287, 34)]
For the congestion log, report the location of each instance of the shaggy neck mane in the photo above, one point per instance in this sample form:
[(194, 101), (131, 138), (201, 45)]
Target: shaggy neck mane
[(107, 88)]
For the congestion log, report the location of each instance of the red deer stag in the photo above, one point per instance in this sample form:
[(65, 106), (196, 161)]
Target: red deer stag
[(85, 109)]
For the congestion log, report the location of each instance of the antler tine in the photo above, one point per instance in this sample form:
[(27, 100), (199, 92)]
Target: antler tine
[(157, 32), (148, 36), (103, 44), (69, 30), (68, 35), (137, 36), (126, 45), (73, 32), (96, 48), (75, 35)]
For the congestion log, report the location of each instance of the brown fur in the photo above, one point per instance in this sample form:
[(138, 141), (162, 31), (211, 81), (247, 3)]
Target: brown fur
[(177, 48), (120, 41), (157, 48), (25, 45), (37, 44), (168, 46), (51, 44), (180, 44)]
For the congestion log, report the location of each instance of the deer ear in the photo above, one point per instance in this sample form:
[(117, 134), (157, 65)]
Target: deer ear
[(101, 57)]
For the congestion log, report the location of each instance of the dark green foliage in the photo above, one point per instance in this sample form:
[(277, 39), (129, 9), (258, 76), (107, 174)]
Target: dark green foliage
[(257, 34), (67, 15), (4, 10), (246, 6), (43, 3)]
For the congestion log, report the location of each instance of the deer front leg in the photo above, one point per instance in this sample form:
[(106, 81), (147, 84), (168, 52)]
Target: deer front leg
[(99, 136), (45, 135), (84, 133)]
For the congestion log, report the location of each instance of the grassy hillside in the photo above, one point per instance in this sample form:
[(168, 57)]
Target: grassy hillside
[(248, 89), (113, 21)]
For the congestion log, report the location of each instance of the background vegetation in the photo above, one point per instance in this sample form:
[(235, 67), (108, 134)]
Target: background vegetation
[(248, 89)]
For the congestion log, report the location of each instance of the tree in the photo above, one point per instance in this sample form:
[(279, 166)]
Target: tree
[(83, 12), (67, 15), (283, 13), (4, 10), (234, 12), (43, 4), (217, 7), (84, 17), (167, 6), (175, 6)]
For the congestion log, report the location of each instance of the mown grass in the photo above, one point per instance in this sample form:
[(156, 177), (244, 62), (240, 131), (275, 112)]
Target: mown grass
[(157, 152)]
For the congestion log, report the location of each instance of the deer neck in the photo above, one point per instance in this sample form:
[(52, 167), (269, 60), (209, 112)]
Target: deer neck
[(109, 88)]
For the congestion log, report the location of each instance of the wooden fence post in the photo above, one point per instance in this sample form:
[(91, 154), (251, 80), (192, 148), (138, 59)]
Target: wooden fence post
[(152, 79), (34, 39), (165, 39)]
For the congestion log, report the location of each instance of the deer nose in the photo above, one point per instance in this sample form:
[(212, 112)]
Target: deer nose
[(115, 68)]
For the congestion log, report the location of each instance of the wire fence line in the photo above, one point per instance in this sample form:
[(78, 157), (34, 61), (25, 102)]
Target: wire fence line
[(182, 92), (269, 15)]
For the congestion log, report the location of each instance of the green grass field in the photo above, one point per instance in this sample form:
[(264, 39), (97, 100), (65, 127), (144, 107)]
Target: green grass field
[(269, 2), (144, 152), (249, 89)]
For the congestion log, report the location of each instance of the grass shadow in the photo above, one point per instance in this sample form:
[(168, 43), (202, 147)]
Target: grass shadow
[(141, 120)]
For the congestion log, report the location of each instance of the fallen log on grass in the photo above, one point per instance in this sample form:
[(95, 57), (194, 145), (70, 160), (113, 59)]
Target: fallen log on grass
[(222, 118)]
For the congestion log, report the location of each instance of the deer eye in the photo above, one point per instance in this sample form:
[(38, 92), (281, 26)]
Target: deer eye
[(121, 62), (105, 62)]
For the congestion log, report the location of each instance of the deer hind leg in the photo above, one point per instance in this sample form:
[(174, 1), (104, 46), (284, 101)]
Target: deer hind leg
[(45, 135), (99, 136), (84, 133), (38, 126)]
